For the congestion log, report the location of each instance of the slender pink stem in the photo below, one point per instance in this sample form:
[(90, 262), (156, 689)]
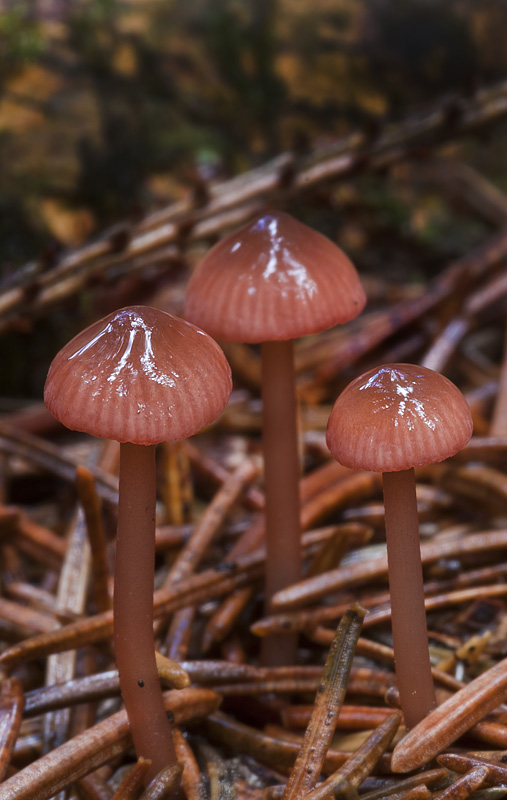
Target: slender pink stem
[(133, 608), (281, 479), (410, 634)]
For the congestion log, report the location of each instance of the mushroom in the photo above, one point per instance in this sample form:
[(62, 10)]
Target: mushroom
[(139, 376), (390, 420), (269, 283)]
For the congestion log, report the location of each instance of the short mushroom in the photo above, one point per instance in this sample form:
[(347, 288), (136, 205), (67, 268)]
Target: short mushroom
[(139, 376), (269, 283), (390, 420)]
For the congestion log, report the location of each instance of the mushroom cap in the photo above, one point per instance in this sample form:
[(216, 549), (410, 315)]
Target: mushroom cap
[(398, 416), (276, 279), (138, 375)]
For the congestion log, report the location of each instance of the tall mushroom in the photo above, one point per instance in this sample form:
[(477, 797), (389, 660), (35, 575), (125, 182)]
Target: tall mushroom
[(139, 376), (269, 283), (390, 420)]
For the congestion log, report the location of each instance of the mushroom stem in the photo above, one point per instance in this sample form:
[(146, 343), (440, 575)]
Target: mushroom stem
[(133, 608), (281, 481), (410, 634)]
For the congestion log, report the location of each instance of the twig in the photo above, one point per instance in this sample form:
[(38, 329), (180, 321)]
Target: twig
[(47, 456), (400, 789), (11, 712), (362, 763), (90, 501), (132, 783), (327, 706), (191, 778), (451, 719), (158, 236), (266, 749), (71, 597), (464, 786), (164, 784), (96, 746), (368, 332), (463, 763), (309, 590)]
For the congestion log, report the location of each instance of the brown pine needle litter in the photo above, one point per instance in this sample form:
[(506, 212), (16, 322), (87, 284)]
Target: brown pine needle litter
[(327, 724)]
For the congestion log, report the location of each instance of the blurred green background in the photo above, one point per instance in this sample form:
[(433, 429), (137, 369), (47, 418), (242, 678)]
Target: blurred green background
[(110, 108)]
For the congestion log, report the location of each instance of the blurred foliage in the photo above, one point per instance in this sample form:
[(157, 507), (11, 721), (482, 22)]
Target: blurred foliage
[(108, 107), (21, 40)]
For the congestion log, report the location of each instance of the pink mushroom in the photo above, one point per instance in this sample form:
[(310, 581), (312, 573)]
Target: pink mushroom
[(139, 376), (390, 420), (271, 282)]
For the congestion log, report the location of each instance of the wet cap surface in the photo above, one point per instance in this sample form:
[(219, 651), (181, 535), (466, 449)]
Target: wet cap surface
[(276, 279), (138, 375), (398, 416)]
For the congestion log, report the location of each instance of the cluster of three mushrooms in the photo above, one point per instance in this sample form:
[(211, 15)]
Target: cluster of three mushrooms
[(270, 283)]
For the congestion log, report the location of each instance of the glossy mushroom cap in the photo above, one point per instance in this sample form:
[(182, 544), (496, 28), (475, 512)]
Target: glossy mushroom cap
[(138, 375), (276, 279), (396, 417)]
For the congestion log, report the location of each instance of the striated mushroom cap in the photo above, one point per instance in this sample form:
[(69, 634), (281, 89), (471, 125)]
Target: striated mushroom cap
[(276, 279), (396, 417), (138, 375)]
